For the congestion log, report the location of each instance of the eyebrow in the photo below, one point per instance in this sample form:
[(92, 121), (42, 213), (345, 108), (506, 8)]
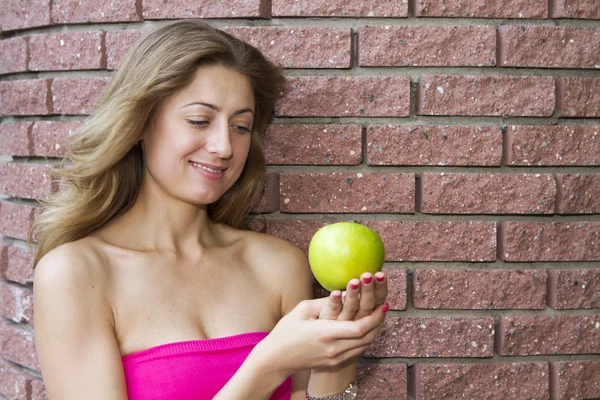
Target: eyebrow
[(216, 108)]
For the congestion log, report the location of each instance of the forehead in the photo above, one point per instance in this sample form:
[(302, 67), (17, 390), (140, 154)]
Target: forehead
[(218, 85)]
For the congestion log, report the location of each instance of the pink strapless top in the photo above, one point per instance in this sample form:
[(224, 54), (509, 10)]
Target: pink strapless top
[(191, 370)]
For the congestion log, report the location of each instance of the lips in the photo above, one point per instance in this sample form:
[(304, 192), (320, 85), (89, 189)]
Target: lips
[(208, 167)]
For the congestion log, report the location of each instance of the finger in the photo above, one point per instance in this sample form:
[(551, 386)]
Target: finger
[(336, 330), (309, 309), (381, 288), (351, 303), (367, 296), (334, 306)]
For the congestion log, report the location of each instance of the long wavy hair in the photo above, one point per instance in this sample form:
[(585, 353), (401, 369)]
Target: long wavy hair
[(101, 175)]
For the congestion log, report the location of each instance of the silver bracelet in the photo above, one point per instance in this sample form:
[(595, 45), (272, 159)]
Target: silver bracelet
[(349, 394)]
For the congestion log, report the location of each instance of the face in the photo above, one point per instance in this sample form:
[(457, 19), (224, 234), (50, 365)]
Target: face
[(199, 141)]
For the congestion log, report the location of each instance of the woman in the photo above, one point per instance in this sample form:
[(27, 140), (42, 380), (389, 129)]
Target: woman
[(146, 286)]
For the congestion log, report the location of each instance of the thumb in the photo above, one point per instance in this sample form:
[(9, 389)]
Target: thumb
[(310, 309)]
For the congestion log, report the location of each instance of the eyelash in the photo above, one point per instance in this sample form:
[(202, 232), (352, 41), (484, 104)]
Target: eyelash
[(199, 124)]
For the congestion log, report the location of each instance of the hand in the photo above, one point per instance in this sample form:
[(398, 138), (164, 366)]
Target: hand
[(300, 341), (354, 307)]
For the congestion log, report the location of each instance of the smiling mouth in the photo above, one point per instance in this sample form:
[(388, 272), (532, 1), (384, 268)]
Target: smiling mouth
[(209, 169)]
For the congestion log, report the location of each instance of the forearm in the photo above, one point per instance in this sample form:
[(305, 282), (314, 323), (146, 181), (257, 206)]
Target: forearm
[(332, 381)]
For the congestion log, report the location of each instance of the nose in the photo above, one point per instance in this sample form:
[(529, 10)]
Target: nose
[(219, 140)]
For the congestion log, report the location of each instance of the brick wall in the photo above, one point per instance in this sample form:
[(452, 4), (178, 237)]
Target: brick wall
[(465, 131)]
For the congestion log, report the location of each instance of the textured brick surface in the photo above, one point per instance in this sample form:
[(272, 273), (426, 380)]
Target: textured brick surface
[(575, 379), (485, 95), (427, 46), (24, 97), (30, 181), (434, 145), (347, 96), (434, 337), (315, 144), (16, 302), (158, 9), (13, 383), (382, 381), (14, 139), (14, 55), (488, 193), (19, 14), (482, 8), (118, 43), (77, 95), (340, 8), (269, 197), (16, 345), (300, 47), (578, 193), (574, 9), (549, 241), (38, 390), (70, 51), (553, 145), (574, 288), (479, 289), (15, 219), (544, 334), (549, 46), (50, 138), (397, 287), (346, 192), (76, 11), (578, 97), (15, 264), (498, 381), (410, 240)]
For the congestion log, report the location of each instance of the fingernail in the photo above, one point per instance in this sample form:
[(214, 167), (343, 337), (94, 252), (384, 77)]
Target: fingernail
[(386, 307), (354, 286), (367, 280), (380, 278)]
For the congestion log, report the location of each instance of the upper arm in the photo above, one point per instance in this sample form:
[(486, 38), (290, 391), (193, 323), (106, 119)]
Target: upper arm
[(75, 343)]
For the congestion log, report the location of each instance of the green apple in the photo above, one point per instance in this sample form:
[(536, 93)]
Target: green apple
[(344, 250)]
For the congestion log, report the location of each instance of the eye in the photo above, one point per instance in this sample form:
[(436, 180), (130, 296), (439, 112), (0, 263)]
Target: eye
[(196, 123), (242, 129)]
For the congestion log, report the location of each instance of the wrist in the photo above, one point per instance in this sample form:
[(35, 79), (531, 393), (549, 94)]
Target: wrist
[(331, 381)]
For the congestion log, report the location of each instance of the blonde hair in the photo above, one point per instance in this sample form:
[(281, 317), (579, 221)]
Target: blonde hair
[(102, 173)]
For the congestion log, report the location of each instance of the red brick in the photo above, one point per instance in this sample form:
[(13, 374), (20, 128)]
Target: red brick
[(427, 46), (527, 96), (553, 145), (300, 47), (575, 379), (118, 44), (158, 9), (38, 390), (18, 14), (16, 302), (15, 219), (50, 138), (15, 264), (574, 288), (548, 334), (434, 145), (549, 46), (581, 9), (16, 345), (434, 337), (488, 193), (345, 192), (397, 279), (340, 8), (31, 181), (13, 382), (457, 289), (14, 55), (269, 197), (497, 381), (77, 11), (77, 96), (345, 96), (382, 381), (410, 240), (14, 139), (578, 97), (66, 51), (549, 241), (578, 193), (314, 144), (25, 97), (482, 8)]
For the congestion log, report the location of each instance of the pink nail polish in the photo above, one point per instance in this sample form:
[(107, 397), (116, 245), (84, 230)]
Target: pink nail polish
[(367, 280), (380, 278), (386, 307), (354, 286)]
